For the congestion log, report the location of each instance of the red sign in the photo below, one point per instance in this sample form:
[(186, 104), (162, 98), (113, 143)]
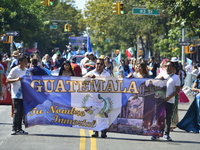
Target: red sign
[(6, 97)]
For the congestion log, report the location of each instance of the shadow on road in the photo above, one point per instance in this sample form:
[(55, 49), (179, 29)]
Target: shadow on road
[(113, 138), (5, 123), (182, 109)]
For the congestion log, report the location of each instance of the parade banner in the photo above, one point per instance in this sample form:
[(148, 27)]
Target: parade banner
[(78, 40), (132, 106)]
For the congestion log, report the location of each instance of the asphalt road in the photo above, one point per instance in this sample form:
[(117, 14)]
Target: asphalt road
[(64, 138)]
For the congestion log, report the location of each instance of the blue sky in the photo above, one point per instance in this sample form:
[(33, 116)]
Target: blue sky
[(80, 3)]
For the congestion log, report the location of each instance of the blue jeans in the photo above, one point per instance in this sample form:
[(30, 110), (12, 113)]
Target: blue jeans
[(18, 114)]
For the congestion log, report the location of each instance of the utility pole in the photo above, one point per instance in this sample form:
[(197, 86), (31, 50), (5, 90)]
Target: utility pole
[(11, 44), (183, 48)]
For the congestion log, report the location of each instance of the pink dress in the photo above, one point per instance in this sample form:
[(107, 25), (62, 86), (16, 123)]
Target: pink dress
[(182, 97)]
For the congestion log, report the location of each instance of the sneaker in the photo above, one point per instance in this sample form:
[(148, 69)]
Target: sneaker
[(13, 132), (153, 138), (167, 137), (20, 132), (23, 122), (96, 134)]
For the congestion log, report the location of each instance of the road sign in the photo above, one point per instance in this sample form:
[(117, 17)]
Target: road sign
[(12, 33), (107, 40), (184, 43), (143, 11), (53, 26)]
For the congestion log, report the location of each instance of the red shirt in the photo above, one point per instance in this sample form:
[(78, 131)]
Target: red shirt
[(77, 69), (4, 65)]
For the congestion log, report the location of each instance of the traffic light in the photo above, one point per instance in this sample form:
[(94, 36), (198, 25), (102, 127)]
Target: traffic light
[(44, 2), (66, 27), (140, 52), (51, 2), (116, 8), (117, 52), (104, 32), (47, 2), (3, 38), (100, 39), (6, 39), (70, 28), (190, 49), (121, 8)]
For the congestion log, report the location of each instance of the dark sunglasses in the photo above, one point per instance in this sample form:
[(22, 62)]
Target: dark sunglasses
[(99, 64)]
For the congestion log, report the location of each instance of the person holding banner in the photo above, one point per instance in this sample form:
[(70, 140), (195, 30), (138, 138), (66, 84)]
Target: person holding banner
[(99, 71), (14, 77), (173, 88), (66, 69)]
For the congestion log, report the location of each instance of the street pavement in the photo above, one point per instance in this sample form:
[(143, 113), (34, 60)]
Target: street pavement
[(42, 137)]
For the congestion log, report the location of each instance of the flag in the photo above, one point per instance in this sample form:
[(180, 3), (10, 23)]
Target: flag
[(189, 61), (129, 52), (118, 58), (18, 45), (89, 46), (69, 55), (97, 54)]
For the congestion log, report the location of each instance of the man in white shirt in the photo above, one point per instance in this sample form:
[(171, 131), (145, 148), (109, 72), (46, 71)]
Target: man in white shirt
[(98, 71), (14, 77), (173, 88)]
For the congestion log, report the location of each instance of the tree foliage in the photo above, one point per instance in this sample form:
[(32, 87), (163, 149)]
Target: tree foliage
[(159, 34), (122, 30), (32, 20)]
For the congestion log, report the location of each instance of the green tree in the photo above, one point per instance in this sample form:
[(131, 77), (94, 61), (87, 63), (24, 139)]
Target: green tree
[(33, 19), (123, 30)]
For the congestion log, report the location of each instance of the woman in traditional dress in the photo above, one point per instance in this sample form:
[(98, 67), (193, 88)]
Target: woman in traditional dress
[(191, 120)]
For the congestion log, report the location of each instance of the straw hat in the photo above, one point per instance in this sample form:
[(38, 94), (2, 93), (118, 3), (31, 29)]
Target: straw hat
[(174, 59), (102, 57), (16, 54)]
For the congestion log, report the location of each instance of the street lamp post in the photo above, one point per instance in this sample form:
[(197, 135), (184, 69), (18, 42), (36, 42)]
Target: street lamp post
[(183, 48)]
